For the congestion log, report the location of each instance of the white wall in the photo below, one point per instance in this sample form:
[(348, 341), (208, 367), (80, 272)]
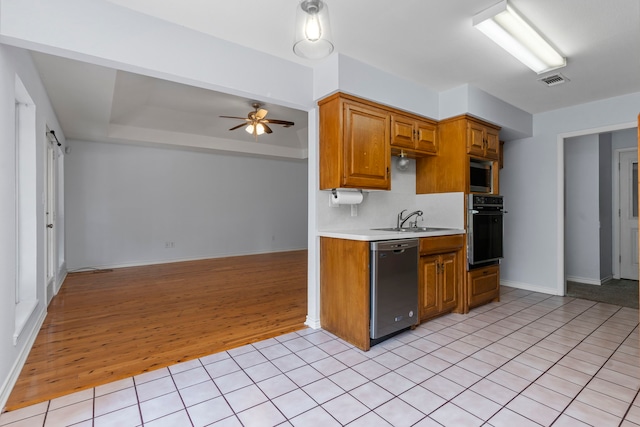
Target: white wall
[(532, 183), (582, 217), (125, 202), (12, 356)]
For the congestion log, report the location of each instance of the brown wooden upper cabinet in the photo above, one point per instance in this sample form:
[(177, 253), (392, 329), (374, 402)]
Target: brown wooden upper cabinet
[(416, 136), (459, 139), (354, 144), (482, 140)]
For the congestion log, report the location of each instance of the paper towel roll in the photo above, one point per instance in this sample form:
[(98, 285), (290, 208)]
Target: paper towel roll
[(346, 198)]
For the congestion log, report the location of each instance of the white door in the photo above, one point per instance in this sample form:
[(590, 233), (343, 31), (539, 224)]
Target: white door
[(50, 219), (629, 215)]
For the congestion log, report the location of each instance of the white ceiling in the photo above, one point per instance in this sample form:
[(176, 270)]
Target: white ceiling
[(429, 42), (95, 103)]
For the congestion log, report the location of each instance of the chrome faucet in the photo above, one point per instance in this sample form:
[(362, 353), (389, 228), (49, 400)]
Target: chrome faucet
[(401, 220)]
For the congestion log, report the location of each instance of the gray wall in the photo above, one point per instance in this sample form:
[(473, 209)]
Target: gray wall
[(582, 231), (626, 138), (125, 202), (532, 183), (605, 205), (589, 198)]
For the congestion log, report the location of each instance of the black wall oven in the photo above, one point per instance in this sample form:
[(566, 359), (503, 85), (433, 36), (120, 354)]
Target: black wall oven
[(484, 229)]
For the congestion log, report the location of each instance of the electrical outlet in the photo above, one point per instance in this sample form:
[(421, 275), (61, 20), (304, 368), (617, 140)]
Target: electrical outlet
[(169, 245)]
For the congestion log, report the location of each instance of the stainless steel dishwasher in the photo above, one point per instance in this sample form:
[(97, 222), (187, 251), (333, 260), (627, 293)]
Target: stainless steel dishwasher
[(394, 287)]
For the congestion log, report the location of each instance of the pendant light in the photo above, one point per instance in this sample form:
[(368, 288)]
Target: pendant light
[(312, 32), (403, 162)]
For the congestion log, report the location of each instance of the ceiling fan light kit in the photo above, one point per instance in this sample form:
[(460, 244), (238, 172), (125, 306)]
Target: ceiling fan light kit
[(257, 123), (502, 24), (313, 31), (257, 129)]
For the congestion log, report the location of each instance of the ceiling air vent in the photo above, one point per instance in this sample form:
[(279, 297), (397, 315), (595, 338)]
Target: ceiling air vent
[(553, 80)]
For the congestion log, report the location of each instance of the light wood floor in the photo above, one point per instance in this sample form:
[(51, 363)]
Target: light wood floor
[(106, 326)]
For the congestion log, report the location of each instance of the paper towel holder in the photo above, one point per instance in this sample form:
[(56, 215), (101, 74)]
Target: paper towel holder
[(334, 192), (337, 199)]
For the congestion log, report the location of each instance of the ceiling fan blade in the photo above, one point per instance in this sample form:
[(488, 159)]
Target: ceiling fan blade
[(267, 129), (261, 113), (239, 126), (234, 117), (285, 123)]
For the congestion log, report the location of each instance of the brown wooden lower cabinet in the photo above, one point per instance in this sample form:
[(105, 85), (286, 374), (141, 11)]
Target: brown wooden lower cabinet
[(440, 275), (442, 287), (483, 285), (345, 289)]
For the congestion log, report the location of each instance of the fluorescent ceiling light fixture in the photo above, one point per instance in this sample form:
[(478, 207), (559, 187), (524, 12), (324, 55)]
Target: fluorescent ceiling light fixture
[(502, 24)]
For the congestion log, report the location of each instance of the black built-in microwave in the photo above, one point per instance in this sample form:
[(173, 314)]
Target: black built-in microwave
[(480, 176)]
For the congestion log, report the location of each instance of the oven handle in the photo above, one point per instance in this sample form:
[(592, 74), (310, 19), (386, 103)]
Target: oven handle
[(477, 212)]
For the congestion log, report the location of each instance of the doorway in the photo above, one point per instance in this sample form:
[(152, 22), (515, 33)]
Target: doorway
[(50, 216), (628, 214), (600, 221)]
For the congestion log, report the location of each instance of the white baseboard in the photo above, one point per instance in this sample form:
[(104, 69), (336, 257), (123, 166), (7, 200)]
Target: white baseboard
[(14, 373), (168, 261), (586, 280), (62, 274), (312, 323), (606, 279), (529, 287)]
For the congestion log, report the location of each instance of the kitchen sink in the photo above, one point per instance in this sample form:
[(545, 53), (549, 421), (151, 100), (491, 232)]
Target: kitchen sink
[(412, 229)]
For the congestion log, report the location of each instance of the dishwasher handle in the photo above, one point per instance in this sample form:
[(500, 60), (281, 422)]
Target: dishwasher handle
[(398, 246)]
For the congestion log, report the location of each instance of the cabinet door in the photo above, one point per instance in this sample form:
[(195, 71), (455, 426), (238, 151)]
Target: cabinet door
[(429, 293), (402, 131), (366, 148), (449, 280), (492, 149), (426, 138), (475, 139), (484, 285)]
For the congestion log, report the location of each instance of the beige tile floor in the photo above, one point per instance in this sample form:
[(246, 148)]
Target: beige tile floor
[(530, 360)]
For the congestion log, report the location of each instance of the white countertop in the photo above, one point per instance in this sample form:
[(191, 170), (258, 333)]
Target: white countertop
[(370, 235)]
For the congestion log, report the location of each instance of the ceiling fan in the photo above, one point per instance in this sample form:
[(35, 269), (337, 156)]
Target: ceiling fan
[(256, 123)]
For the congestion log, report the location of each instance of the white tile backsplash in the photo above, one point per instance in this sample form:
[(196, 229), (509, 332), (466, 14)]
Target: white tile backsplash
[(380, 208)]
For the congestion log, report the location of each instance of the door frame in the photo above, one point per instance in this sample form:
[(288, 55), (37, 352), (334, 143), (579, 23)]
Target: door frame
[(561, 279), (50, 216), (616, 209)]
